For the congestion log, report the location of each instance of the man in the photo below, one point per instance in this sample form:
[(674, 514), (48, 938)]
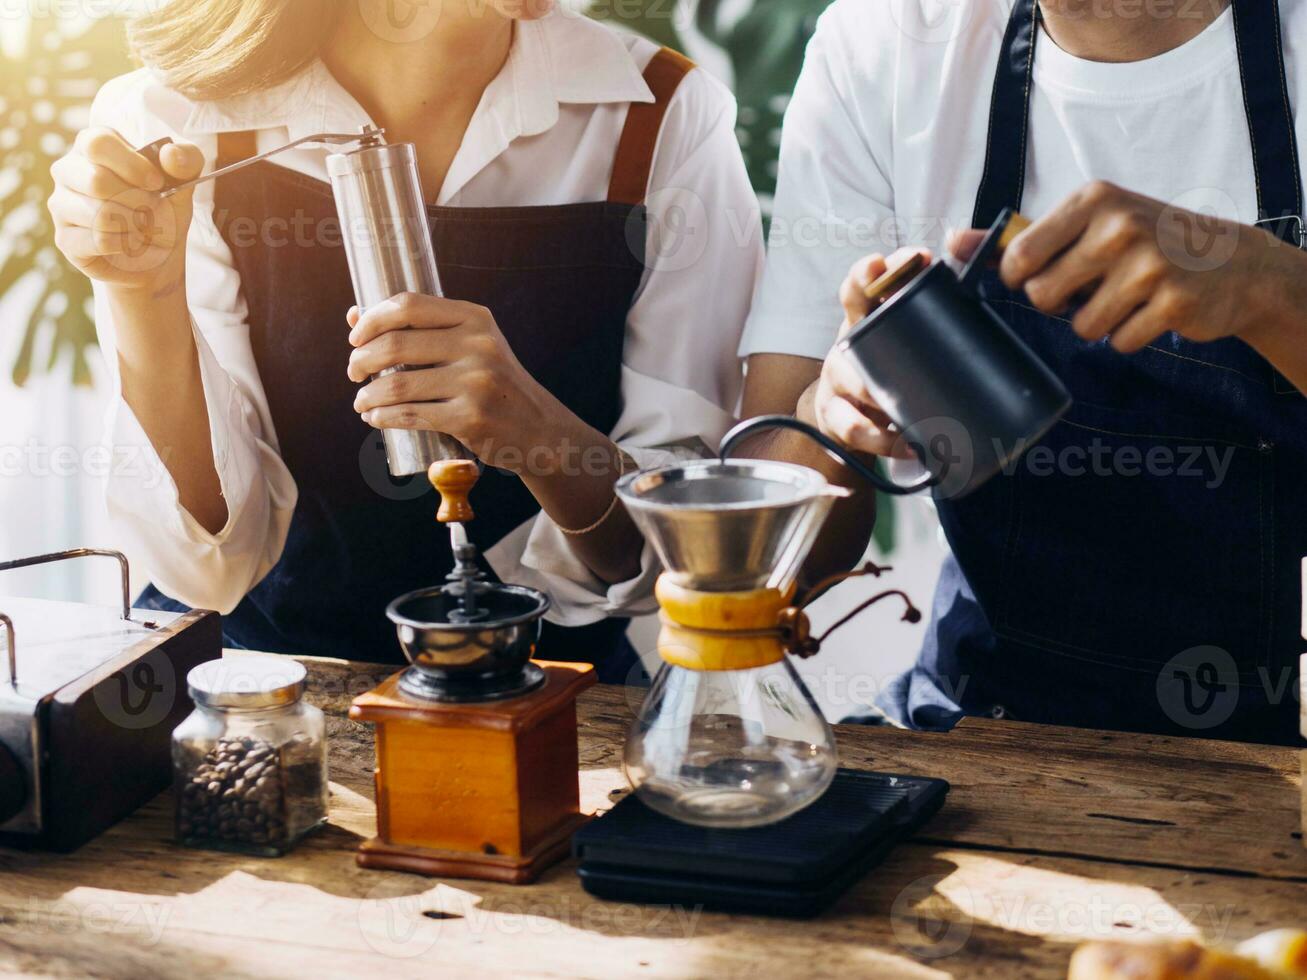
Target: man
[(1140, 569)]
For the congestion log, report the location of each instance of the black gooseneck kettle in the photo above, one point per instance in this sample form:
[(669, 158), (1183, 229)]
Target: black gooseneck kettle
[(967, 394)]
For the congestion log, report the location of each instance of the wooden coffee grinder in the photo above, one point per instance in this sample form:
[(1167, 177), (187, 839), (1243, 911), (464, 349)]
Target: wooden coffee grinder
[(476, 745)]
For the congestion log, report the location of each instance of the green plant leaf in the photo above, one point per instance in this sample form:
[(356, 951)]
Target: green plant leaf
[(886, 533), (45, 90)]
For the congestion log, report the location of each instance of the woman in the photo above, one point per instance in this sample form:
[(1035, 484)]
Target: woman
[(574, 340)]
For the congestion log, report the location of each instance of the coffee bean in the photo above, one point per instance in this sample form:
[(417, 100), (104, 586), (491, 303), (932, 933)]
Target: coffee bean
[(235, 793)]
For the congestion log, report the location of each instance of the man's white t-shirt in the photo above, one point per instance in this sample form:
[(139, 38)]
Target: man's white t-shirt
[(884, 141)]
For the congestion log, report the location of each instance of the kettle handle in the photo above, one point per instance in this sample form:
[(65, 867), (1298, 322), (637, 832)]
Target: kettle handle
[(764, 423)]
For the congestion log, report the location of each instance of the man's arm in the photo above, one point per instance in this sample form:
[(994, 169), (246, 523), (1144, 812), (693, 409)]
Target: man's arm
[(834, 203), (781, 384), (833, 396), (1281, 335)]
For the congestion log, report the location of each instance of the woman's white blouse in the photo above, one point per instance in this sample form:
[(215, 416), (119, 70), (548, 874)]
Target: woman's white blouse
[(543, 134)]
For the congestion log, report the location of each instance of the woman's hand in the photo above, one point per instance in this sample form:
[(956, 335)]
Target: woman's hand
[(111, 223), (1143, 268), (844, 408), (109, 219), (474, 389)]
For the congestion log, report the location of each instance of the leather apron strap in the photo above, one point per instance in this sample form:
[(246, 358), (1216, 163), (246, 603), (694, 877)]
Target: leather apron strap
[(1266, 102), (233, 147), (633, 161)]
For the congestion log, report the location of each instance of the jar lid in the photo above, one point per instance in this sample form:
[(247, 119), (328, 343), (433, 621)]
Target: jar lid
[(247, 682)]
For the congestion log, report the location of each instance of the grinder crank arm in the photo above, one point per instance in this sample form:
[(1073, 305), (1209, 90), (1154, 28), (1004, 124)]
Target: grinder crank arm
[(151, 152)]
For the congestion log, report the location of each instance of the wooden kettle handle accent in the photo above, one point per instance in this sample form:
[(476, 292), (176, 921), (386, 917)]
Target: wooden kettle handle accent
[(1016, 224), (895, 279), (454, 480)]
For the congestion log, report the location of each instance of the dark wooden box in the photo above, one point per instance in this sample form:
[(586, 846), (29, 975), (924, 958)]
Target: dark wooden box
[(108, 734)]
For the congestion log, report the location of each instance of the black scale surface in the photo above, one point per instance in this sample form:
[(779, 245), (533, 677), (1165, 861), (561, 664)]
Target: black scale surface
[(793, 868)]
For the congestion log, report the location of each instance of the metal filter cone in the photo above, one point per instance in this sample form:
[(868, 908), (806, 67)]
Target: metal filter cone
[(730, 526)]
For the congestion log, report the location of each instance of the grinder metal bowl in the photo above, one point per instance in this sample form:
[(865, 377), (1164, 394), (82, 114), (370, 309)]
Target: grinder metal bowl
[(468, 640), (484, 660)]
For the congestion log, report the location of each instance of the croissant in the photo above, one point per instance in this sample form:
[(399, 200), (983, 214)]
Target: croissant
[(1277, 955)]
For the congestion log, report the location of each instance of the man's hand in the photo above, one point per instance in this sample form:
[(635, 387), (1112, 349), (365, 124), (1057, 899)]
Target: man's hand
[(844, 408), (1142, 268)]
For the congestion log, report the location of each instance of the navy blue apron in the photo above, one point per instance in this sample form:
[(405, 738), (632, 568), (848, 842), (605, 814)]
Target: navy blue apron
[(1140, 569), (560, 281)]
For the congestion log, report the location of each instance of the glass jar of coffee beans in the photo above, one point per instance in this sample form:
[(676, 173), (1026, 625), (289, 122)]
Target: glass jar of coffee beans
[(250, 763)]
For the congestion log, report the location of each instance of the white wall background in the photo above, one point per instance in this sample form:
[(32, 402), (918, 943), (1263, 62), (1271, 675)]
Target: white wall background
[(49, 497)]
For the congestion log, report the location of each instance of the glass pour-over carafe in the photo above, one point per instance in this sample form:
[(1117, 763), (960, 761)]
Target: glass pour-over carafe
[(728, 735)]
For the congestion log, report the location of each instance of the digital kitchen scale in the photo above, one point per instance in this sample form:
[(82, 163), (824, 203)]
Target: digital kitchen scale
[(794, 868)]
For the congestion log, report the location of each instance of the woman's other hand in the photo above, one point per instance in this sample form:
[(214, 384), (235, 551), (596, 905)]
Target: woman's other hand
[(110, 221), (468, 383)]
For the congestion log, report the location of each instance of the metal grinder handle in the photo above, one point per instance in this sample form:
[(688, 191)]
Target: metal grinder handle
[(171, 185)]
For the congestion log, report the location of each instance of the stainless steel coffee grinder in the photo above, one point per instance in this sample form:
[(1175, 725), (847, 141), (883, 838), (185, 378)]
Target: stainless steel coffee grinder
[(383, 219)]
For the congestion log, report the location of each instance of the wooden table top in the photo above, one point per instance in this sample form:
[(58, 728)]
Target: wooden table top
[(1050, 836)]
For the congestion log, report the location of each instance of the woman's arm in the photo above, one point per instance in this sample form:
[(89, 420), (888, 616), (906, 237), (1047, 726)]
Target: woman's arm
[(680, 376), (111, 225), (477, 391), (576, 492), (159, 371), (195, 487)]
